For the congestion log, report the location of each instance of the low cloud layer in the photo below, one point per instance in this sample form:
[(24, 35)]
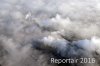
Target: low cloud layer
[(33, 31)]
